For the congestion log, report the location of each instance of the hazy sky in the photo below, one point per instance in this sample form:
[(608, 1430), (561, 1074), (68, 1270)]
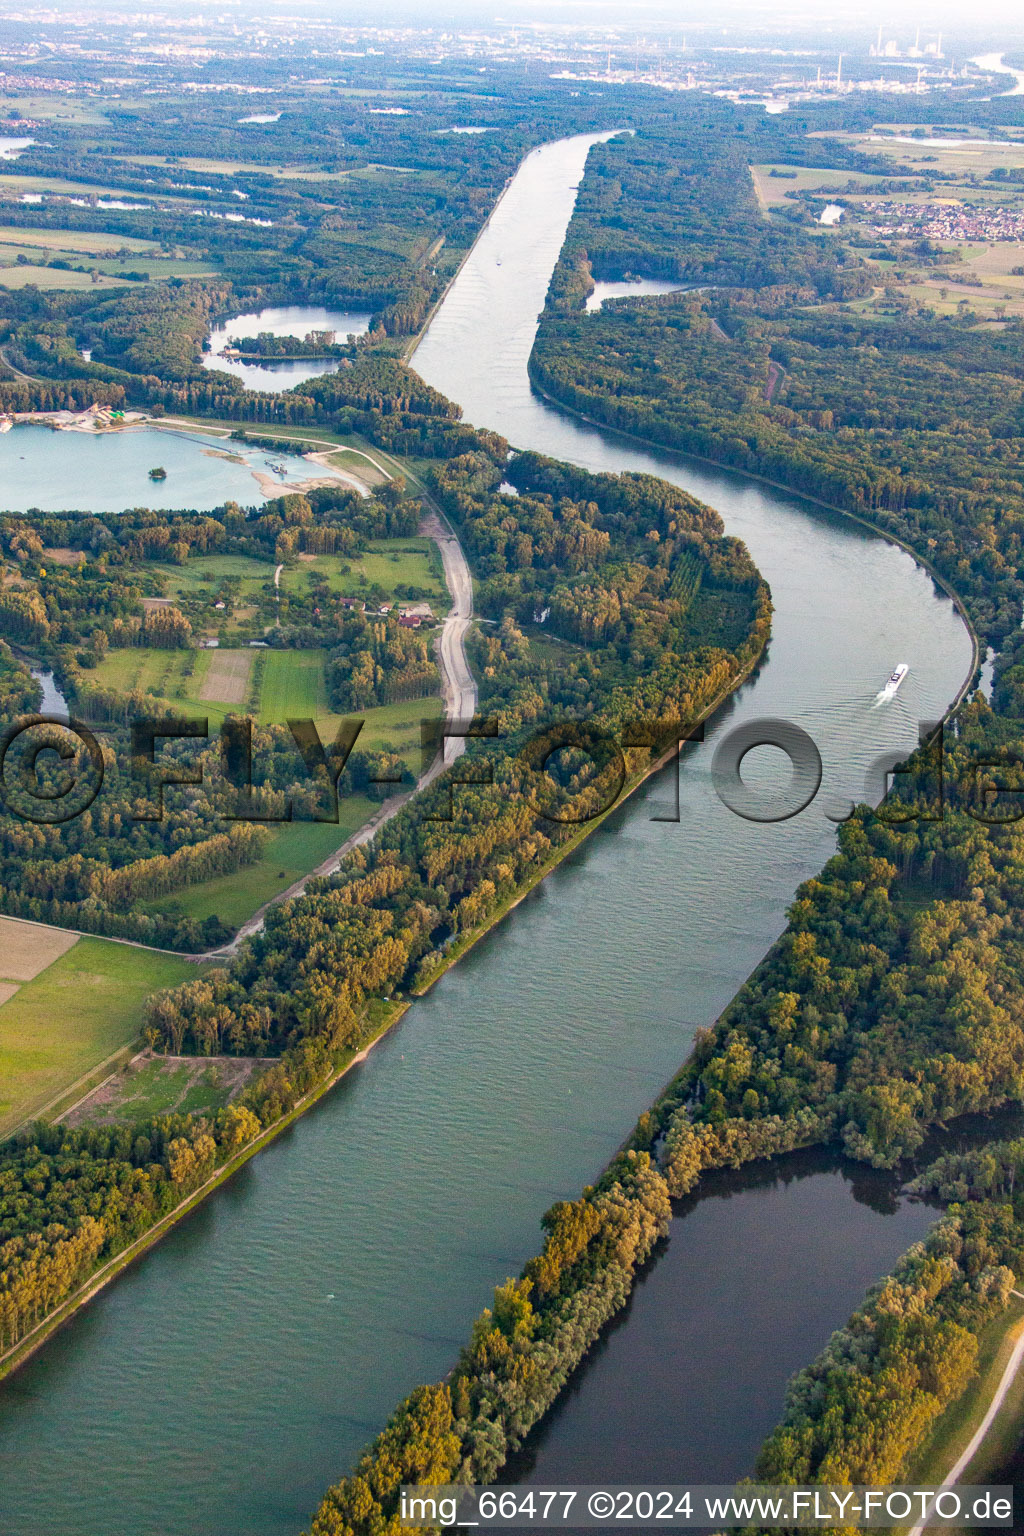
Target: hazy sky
[(697, 16), (697, 13)]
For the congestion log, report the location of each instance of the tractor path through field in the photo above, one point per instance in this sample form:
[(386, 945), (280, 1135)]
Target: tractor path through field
[(459, 692)]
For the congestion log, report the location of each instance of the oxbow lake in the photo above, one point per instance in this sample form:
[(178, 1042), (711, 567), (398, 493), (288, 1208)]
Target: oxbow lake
[(288, 320), (634, 289)]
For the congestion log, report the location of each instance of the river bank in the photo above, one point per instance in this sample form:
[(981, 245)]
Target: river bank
[(13, 1359)]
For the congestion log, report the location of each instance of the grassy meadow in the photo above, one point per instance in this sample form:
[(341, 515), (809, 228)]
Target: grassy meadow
[(74, 1015)]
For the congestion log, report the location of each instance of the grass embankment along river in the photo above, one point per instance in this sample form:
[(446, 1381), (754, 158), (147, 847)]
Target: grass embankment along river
[(952, 1437)]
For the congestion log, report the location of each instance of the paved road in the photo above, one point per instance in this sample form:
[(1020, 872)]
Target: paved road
[(459, 692), (457, 685)]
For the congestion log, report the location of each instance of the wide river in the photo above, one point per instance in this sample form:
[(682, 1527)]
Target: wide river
[(227, 1378)]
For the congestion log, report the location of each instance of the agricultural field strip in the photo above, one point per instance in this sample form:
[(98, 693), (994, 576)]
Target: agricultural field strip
[(65, 186), (47, 277), (79, 1010), (250, 168), (72, 240), (227, 677), (26, 949)]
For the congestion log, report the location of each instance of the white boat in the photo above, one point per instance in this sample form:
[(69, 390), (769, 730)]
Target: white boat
[(895, 679)]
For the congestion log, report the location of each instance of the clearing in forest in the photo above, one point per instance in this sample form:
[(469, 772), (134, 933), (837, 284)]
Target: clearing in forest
[(227, 677), (76, 1014)]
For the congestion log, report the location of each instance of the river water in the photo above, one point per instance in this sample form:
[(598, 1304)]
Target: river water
[(227, 1378)]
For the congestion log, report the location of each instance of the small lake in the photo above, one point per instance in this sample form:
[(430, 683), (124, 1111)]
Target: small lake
[(636, 289), (831, 213), (756, 1274), (10, 149), (288, 320), (109, 471)]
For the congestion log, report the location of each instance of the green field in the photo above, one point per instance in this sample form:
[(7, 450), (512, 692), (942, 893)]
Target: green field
[(57, 107), (966, 159), (293, 849), (62, 185), (771, 190), (52, 279), (387, 563), (294, 687), (174, 676), (72, 239), (397, 728), (152, 1087), (358, 464), (248, 576), (246, 168), (158, 266), (72, 1017), (37, 256)]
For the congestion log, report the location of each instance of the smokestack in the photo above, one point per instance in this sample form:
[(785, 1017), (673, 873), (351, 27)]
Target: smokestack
[(839, 72)]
